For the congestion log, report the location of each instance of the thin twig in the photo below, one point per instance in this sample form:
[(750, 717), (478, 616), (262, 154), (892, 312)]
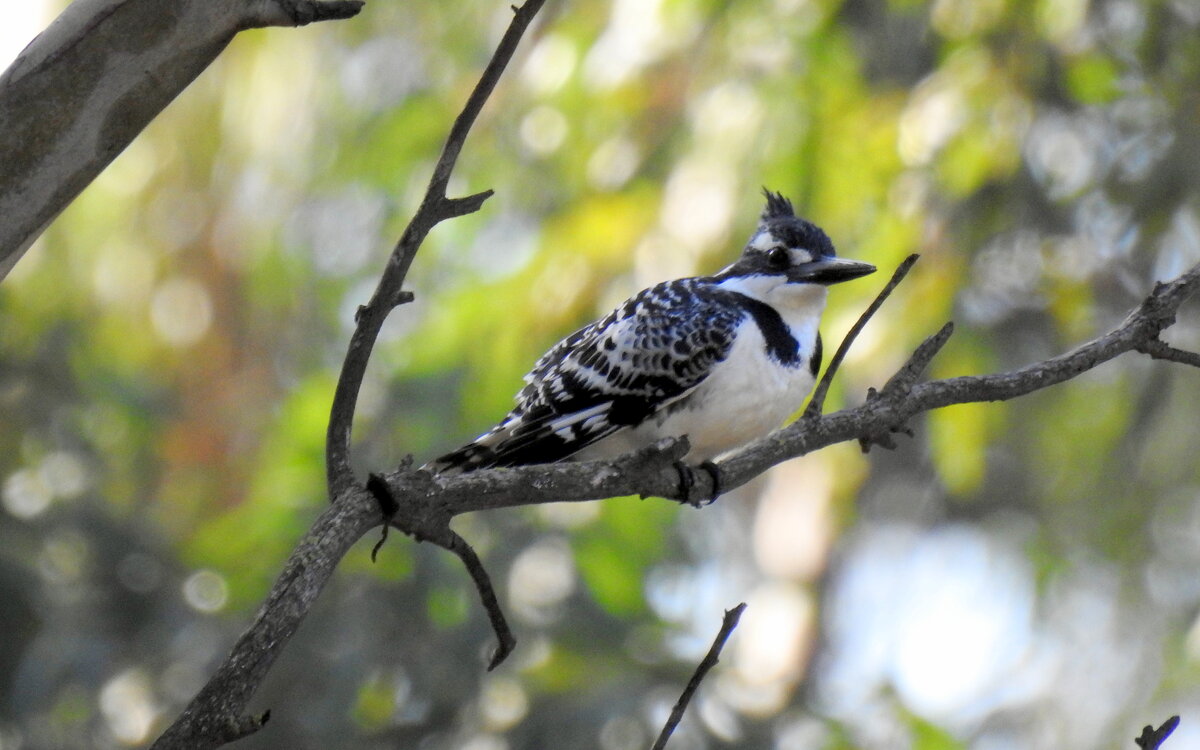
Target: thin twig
[(506, 642), (1152, 738), (710, 660), (435, 207), (817, 402)]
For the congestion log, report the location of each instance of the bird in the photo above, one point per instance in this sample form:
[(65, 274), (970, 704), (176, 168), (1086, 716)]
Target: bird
[(721, 359)]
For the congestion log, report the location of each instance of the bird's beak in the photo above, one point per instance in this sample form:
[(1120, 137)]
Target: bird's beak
[(829, 271)]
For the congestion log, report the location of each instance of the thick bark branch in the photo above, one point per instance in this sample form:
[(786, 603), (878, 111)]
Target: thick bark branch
[(216, 716), (652, 473), (88, 84)]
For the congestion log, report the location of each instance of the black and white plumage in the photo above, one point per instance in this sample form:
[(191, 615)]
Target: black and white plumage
[(722, 359)]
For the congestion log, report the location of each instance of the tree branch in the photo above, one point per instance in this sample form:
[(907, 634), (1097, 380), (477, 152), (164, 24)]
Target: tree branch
[(651, 472), (435, 208), (216, 715), (427, 502), (90, 83), (708, 662)]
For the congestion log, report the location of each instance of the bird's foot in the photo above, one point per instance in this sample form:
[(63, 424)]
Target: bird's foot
[(714, 473), (687, 482)]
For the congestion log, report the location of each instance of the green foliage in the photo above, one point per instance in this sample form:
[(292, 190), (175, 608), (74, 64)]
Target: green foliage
[(168, 354), (615, 553)]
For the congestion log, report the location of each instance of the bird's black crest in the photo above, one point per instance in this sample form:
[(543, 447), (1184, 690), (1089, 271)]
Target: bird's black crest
[(777, 207)]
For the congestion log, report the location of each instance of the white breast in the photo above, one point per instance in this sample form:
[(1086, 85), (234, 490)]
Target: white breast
[(746, 396)]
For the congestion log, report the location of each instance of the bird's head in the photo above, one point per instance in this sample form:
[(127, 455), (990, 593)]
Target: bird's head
[(786, 249)]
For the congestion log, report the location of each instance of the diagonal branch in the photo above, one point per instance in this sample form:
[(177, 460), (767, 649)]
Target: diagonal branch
[(708, 662), (817, 402), (66, 111), (435, 208), (216, 716)]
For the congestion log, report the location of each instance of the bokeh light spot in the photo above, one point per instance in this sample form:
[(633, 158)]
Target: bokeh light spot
[(206, 591), (181, 311)]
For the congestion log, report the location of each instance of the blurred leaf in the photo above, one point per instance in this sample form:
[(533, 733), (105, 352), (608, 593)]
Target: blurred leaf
[(1092, 79), (928, 736), (614, 554), (376, 702), (448, 606), (959, 436)]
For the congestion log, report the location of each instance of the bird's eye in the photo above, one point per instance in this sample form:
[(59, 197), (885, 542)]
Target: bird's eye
[(779, 258)]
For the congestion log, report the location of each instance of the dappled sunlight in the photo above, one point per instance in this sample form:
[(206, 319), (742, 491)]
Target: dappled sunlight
[(793, 524), (957, 637)]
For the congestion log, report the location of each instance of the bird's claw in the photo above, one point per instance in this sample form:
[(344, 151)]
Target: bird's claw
[(687, 482)]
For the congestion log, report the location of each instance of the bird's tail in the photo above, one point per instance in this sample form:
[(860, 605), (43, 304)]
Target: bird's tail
[(475, 455)]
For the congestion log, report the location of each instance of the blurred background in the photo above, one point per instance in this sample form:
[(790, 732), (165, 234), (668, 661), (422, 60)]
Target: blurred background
[(1017, 575)]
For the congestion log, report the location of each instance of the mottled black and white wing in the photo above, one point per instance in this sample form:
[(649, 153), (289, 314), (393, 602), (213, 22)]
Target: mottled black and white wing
[(610, 375)]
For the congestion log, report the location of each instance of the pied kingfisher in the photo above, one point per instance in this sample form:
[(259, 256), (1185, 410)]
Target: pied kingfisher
[(722, 359)]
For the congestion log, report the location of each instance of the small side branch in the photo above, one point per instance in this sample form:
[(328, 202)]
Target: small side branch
[(1159, 349), (302, 12), (710, 660), (817, 402), (506, 642)]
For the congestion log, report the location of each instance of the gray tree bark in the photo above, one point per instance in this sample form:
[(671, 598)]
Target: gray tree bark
[(87, 85)]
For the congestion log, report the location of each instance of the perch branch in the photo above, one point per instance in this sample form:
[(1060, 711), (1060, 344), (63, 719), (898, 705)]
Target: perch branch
[(708, 662), (428, 502)]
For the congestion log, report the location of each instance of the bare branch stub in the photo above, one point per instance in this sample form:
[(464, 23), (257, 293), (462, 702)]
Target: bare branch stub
[(900, 384), (1152, 739), (708, 662), (1159, 349)]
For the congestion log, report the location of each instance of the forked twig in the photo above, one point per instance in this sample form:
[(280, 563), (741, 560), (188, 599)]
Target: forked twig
[(817, 402), (708, 662)]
